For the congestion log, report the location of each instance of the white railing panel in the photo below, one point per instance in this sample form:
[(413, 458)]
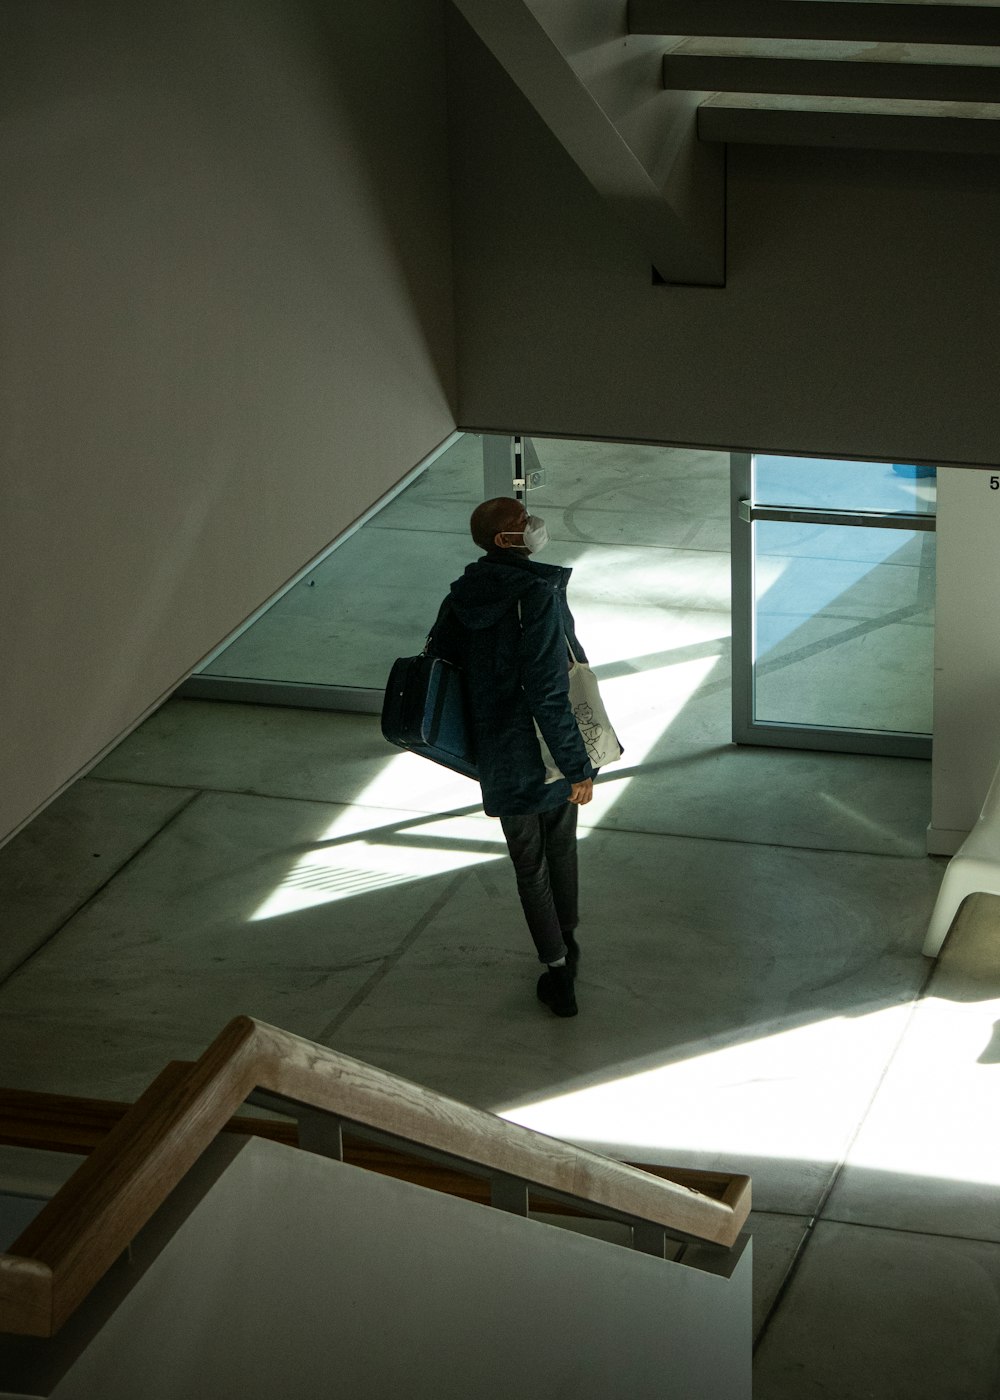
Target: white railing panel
[(275, 1272)]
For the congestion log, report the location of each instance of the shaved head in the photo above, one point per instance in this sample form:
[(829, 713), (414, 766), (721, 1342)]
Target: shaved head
[(493, 517)]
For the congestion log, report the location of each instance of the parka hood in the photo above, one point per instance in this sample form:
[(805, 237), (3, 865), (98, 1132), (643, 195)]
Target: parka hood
[(496, 582)]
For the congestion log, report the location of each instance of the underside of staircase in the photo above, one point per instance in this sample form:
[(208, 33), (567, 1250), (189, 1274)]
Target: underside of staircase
[(646, 96), (878, 74)]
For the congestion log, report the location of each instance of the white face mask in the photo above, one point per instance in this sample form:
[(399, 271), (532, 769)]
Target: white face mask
[(535, 535)]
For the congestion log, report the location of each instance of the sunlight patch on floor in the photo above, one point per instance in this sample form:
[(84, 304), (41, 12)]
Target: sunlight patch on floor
[(642, 706), (406, 780), (792, 1093), (936, 1111), (345, 868)]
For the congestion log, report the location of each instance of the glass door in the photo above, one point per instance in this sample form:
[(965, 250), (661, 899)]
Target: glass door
[(833, 570)]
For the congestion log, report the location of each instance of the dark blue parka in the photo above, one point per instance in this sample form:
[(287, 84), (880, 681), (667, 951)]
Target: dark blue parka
[(515, 668)]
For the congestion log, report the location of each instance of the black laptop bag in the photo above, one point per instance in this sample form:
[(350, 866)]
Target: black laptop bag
[(424, 712)]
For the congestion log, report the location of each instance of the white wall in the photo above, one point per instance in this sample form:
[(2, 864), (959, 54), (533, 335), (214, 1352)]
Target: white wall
[(225, 304), (859, 317), (966, 655)]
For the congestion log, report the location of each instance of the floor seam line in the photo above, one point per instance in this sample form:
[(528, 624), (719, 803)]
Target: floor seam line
[(761, 845), (100, 890), (389, 961), (471, 811), (817, 1216), (786, 1283), (839, 1168), (906, 1230)]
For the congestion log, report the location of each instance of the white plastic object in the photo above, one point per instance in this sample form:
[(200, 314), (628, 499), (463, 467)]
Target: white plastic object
[(973, 869)]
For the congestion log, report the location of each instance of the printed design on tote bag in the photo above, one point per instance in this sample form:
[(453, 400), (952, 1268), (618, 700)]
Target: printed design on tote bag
[(591, 731)]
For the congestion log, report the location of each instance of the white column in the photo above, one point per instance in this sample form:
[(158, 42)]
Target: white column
[(966, 653)]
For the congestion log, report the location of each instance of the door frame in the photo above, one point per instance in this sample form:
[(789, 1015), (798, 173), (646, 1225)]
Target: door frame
[(774, 734)]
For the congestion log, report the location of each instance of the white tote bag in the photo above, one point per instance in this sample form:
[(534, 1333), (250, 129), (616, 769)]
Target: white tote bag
[(590, 714)]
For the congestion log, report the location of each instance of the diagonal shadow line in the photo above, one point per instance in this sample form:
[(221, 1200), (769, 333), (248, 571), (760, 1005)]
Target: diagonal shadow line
[(403, 824), (810, 649), (382, 835), (452, 843), (406, 825), (848, 634), (405, 829), (714, 648)]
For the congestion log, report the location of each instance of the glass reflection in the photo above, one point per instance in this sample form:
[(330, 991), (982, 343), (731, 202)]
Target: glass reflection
[(844, 627), (825, 484)]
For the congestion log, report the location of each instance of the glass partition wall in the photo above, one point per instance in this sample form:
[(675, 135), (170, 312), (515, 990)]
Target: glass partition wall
[(328, 641), (832, 574), (833, 604), (644, 528)]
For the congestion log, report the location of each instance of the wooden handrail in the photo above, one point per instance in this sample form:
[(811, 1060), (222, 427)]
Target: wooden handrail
[(75, 1239), (70, 1124)]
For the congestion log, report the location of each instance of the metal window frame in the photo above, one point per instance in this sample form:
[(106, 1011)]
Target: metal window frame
[(746, 729)]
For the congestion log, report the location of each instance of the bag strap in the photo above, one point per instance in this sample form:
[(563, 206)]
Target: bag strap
[(442, 613), (569, 645)]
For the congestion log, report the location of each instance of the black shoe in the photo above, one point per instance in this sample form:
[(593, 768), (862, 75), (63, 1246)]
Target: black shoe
[(555, 989), (572, 952)]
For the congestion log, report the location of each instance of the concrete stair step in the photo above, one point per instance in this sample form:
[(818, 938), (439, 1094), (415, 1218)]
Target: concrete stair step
[(927, 72), (850, 123), (889, 21)]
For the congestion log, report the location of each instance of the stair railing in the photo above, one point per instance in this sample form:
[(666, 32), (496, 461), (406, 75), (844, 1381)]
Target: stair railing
[(79, 1234)]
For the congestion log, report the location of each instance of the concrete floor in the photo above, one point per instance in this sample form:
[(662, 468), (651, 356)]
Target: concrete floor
[(752, 991)]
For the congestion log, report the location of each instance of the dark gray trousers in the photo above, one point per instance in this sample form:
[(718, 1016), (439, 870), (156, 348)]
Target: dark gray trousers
[(543, 849)]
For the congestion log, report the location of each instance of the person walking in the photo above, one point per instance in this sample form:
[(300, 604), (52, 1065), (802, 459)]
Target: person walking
[(506, 623)]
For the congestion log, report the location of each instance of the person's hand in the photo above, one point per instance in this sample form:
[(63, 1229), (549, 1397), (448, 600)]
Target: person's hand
[(580, 793)]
